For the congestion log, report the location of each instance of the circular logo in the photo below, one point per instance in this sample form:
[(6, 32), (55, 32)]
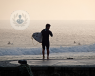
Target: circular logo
[(20, 20)]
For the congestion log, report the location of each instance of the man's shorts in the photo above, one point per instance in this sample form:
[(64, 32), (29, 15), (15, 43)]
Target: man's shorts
[(45, 44)]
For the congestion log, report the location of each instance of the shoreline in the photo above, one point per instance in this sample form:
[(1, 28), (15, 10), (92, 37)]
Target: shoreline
[(52, 56)]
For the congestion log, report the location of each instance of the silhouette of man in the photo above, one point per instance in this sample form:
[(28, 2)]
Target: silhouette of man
[(45, 39)]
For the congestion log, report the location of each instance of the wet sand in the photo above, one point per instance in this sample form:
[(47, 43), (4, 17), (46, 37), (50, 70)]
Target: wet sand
[(64, 66), (12, 61)]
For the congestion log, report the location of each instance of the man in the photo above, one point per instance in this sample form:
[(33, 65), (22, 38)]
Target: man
[(45, 39), (24, 69)]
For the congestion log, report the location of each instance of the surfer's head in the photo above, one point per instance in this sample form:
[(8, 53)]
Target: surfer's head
[(48, 26)]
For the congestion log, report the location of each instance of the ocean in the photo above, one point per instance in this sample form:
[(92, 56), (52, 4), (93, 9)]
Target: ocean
[(71, 38)]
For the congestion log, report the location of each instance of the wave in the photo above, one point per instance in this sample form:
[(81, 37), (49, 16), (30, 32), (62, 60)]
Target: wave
[(37, 51)]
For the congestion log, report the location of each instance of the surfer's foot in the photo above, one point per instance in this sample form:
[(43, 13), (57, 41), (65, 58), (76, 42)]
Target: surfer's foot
[(43, 57), (47, 57)]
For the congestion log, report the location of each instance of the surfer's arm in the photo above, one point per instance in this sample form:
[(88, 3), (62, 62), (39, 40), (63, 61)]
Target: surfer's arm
[(50, 33)]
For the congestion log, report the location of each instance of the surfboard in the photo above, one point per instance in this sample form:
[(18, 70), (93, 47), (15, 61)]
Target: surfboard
[(37, 36)]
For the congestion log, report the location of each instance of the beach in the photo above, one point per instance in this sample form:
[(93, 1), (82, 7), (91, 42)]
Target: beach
[(69, 47)]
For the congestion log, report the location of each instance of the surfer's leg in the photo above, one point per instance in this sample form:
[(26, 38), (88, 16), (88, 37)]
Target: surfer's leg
[(43, 46), (47, 50), (43, 53), (47, 53)]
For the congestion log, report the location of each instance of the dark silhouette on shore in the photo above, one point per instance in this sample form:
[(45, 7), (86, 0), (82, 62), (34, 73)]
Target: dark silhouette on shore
[(24, 68), (45, 39)]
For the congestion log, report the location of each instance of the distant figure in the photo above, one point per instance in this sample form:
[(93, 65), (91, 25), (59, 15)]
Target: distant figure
[(24, 68), (79, 44), (9, 42), (74, 42), (45, 39)]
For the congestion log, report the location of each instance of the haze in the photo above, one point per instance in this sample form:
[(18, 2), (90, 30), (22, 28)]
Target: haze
[(50, 9)]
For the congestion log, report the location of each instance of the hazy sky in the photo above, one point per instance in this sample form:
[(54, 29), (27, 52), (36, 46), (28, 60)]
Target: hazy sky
[(50, 9)]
